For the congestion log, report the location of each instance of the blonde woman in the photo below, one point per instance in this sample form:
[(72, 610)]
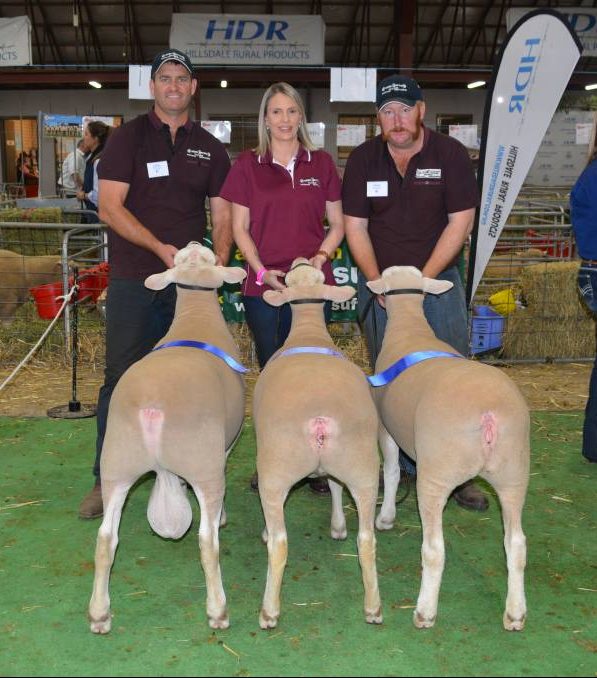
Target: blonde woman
[(281, 192)]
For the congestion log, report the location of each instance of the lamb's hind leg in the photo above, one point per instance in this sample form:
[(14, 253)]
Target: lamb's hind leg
[(272, 502), (391, 471), (431, 506), (365, 502), (338, 523), (114, 495), (211, 504), (512, 500)]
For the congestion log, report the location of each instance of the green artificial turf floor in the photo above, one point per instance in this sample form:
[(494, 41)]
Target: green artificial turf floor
[(157, 586)]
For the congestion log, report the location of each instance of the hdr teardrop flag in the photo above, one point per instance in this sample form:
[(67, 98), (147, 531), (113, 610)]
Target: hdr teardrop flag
[(535, 63)]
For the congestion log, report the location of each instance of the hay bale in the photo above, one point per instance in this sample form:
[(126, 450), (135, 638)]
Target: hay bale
[(549, 289), (555, 323), (35, 240), (533, 337)]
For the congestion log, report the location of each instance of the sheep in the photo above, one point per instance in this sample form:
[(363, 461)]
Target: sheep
[(177, 412), (313, 413), (458, 418), (18, 273)]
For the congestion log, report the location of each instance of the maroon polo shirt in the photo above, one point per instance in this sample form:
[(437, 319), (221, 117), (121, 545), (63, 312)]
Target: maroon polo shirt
[(286, 213), (405, 226), (171, 204)]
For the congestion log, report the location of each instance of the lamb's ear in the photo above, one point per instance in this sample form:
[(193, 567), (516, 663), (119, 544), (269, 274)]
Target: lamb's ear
[(339, 294), (277, 297), (158, 281), (234, 274), (433, 286), (377, 286)]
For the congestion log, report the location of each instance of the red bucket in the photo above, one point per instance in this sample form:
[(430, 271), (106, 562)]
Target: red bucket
[(93, 281), (45, 300)]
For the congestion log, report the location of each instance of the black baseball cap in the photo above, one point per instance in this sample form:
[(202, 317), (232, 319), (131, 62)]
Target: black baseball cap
[(171, 55), (398, 88)]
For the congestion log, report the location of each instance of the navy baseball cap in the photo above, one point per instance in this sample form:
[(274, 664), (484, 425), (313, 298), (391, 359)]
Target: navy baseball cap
[(171, 55), (398, 88)]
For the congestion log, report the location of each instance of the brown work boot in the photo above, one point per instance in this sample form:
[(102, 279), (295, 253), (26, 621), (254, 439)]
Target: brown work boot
[(92, 505), (469, 496)]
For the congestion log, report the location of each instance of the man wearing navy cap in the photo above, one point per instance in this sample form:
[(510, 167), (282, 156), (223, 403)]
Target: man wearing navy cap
[(154, 177), (409, 197)]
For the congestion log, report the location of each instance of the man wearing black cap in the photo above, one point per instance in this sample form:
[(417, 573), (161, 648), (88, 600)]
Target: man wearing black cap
[(409, 197), (155, 175)]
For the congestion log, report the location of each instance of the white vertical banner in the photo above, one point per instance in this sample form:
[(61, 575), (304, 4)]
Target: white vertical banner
[(536, 61), (15, 41)]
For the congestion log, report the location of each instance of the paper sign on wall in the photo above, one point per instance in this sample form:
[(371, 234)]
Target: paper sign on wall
[(139, 77), (466, 134), (220, 129), (351, 135), (317, 133), (353, 84)]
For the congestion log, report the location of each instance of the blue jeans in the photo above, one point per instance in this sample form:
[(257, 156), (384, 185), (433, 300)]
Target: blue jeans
[(136, 319), (446, 313), (270, 325), (587, 286)]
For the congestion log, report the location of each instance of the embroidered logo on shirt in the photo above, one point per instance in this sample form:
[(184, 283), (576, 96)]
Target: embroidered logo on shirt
[(428, 174), (202, 155), (311, 181)]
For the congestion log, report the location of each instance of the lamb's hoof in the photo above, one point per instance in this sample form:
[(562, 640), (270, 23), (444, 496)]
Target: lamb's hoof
[(339, 534), (267, 621), (383, 524), (422, 622), (514, 624), (264, 536), (101, 626), (374, 617), (221, 622), (223, 519)]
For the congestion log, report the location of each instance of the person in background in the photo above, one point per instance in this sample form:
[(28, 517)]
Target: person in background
[(24, 169), (280, 193), (409, 197), (72, 171), (583, 215), (94, 138), (154, 178)]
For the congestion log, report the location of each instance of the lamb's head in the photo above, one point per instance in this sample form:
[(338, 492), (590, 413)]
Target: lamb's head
[(304, 281), (407, 278), (195, 265)]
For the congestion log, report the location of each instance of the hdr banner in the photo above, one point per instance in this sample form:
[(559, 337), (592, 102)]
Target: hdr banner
[(533, 68), (15, 41), (582, 19), (250, 39)]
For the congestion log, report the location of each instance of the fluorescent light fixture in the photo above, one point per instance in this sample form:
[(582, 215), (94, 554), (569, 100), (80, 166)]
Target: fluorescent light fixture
[(591, 86), (96, 84), (223, 83), (477, 83)]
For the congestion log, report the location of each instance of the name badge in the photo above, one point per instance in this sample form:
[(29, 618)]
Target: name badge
[(377, 189), (428, 174), (157, 169)]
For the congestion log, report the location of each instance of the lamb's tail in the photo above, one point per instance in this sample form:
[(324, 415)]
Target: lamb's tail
[(169, 510)]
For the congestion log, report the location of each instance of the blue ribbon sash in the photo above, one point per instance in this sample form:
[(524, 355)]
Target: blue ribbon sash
[(404, 363), (310, 349), (228, 359)]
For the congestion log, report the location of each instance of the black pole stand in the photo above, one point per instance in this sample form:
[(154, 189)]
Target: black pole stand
[(74, 409)]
